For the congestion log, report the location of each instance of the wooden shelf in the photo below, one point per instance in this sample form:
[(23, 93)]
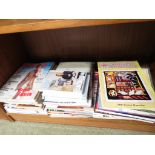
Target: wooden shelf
[(11, 56), (3, 114), (91, 122), (24, 25)]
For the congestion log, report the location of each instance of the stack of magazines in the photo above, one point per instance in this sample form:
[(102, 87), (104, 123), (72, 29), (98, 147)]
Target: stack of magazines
[(36, 88), (66, 90), (21, 94), (124, 92), (118, 90)]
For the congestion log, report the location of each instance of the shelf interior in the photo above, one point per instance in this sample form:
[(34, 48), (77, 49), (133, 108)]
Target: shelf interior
[(130, 41)]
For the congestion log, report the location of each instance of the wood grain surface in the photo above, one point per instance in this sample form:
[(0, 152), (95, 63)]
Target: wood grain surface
[(12, 55), (3, 114), (23, 25), (134, 41), (103, 123)]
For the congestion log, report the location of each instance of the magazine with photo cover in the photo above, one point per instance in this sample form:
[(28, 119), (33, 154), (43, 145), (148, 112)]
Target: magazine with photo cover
[(23, 86), (69, 84), (123, 87), (84, 101)]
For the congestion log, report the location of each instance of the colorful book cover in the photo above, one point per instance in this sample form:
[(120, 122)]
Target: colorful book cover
[(138, 112), (25, 83), (65, 84), (124, 85), (121, 112)]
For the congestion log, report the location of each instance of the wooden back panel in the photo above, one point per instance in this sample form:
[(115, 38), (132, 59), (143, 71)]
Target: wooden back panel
[(107, 42), (12, 55)]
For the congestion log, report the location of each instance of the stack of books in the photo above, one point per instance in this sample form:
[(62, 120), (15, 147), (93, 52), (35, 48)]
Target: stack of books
[(124, 92), (66, 90), (21, 94)]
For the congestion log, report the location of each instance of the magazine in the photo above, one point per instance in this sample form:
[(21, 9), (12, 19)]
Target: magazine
[(120, 112), (95, 87), (26, 111), (24, 85), (124, 85), (75, 66), (106, 115), (67, 84), (136, 112)]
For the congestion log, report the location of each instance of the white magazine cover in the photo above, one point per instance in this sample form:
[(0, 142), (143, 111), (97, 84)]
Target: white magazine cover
[(75, 66), (69, 84), (23, 86), (66, 99), (26, 111)]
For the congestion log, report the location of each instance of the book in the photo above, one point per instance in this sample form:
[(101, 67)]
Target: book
[(120, 112), (68, 103), (75, 66), (106, 115), (147, 73), (85, 101), (95, 87), (142, 113), (23, 106), (124, 85), (67, 84), (25, 111), (24, 84), (70, 113)]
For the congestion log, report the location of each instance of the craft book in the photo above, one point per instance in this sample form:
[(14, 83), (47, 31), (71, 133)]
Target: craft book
[(123, 84)]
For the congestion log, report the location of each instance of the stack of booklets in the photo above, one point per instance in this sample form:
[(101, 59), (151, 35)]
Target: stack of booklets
[(125, 92), (66, 90), (120, 90), (21, 94)]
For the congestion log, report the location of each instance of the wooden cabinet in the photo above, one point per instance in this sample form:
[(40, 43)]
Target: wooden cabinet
[(76, 40)]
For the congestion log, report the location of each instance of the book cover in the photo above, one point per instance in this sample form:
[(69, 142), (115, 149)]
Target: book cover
[(120, 112), (23, 86), (124, 85), (65, 84), (138, 112), (84, 101), (75, 66)]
